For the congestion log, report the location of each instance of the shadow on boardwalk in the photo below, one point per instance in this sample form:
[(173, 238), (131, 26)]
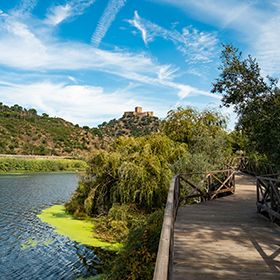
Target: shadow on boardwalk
[(226, 239)]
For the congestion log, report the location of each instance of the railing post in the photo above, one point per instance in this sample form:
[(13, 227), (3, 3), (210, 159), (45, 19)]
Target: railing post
[(258, 196)]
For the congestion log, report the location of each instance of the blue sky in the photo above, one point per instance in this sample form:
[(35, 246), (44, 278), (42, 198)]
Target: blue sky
[(89, 60)]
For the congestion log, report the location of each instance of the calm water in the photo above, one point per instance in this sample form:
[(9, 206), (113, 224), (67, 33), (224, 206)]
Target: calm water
[(29, 248)]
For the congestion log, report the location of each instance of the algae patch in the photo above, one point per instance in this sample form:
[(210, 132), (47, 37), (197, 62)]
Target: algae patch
[(31, 243), (77, 230)]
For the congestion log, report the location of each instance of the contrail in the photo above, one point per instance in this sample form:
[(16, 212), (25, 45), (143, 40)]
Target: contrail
[(106, 20)]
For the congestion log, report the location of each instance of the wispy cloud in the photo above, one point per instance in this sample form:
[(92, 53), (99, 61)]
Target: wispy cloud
[(196, 46), (60, 13), (255, 24), (230, 13), (106, 20), (136, 22), (267, 44), (41, 52), (25, 7)]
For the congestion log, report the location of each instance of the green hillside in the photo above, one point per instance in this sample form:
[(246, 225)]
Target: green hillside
[(23, 131), (130, 126)]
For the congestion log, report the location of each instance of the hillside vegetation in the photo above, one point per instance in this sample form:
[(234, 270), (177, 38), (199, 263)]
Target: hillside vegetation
[(23, 131), (130, 126)]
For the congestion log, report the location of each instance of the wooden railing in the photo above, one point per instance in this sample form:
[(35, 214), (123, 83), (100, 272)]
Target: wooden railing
[(254, 167), (194, 188), (210, 186), (268, 196)]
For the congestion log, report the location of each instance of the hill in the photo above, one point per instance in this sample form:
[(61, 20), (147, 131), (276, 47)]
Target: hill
[(135, 124), (23, 131)]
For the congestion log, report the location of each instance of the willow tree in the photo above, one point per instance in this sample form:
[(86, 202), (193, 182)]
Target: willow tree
[(134, 171)]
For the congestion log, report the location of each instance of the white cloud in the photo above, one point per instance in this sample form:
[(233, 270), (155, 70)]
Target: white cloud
[(231, 13), (267, 45), (60, 13), (196, 46), (166, 72), (83, 104), (2, 14), (256, 23), (41, 53), (106, 20), (136, 22)]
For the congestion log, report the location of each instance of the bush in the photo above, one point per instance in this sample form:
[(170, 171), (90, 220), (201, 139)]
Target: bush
[(137, 259)]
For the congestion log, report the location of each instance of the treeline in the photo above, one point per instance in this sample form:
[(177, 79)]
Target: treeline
[(40, 165), (126, 185)]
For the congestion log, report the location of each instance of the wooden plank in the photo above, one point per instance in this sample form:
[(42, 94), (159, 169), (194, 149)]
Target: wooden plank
[(226, 239)]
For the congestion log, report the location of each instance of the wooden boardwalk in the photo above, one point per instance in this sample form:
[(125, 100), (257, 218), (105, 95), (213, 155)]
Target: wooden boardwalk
[(226, 239)]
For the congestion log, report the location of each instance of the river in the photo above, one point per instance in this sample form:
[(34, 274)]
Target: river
[(29, 248)]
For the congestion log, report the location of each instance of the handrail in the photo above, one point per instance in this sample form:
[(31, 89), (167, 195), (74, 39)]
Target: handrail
[(213, 184), (163, 268), (256, 168), (164, 261), (268, 197)]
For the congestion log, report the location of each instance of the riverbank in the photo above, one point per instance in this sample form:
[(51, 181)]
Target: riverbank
[(81, 231), (30, 165)]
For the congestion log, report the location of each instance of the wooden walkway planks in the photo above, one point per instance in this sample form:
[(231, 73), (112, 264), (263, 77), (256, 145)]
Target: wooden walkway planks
[(226, 239)]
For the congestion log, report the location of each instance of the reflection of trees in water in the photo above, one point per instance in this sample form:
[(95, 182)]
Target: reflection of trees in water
[(94, 260)]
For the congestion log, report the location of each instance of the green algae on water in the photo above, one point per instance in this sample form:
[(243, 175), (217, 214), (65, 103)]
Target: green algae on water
[(31, 243), (80, 231)]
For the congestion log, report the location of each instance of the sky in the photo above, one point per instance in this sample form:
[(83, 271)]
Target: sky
[(88, 61)]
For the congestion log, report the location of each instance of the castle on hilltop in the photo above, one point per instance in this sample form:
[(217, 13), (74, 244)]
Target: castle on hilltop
[(139, 113)]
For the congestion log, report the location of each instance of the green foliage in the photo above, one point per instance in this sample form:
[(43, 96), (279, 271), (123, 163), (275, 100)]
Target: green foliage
[(239, 141), (240, 80), (40, 165), (186, 124), (255, 99), (115, 226), (135, 171), (204, 133), (137, 259), (135, 126), (25, 132), (126, 185)]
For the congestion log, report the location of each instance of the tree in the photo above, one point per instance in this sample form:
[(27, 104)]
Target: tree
[(133, 171), (255, 99), (205, 135)]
